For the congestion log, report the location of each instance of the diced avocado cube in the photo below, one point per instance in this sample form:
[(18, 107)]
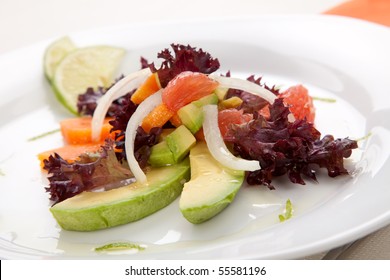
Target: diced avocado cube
[(221, 92), (232, 102), (191, 116), (165, 132), (208, 99), (161, 155), (180, 141)]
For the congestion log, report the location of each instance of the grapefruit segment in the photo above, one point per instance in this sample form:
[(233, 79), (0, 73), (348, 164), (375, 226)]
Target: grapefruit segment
[(300, 102), (185, 88), (231, 116)]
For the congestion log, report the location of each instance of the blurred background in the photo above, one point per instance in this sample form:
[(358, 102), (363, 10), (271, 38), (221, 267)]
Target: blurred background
[(23, 22)]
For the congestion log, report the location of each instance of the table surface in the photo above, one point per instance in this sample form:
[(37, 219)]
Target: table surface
[(24, 22)]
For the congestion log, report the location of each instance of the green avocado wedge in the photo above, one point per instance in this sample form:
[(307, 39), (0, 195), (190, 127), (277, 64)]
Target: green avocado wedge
[(90, 211), (212, 186)]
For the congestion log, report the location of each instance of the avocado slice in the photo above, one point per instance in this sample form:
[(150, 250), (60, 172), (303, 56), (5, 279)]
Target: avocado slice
[(90, 211), (212, 186)]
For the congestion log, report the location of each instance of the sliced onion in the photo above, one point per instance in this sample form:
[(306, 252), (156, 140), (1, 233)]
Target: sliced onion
[(131, 130), (121, 88), (217, 146), (235, 83)]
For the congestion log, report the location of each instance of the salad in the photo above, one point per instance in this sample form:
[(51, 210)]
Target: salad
[(183, 130)]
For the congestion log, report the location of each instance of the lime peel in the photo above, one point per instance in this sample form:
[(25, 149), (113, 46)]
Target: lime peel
[(42, 135), (83, 68), (365, 137), (324, 99), (120, 246), (288, 212), (55, 53)]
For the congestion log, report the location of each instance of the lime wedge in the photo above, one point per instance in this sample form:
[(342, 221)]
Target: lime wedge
[(55, 53), (82, 68)]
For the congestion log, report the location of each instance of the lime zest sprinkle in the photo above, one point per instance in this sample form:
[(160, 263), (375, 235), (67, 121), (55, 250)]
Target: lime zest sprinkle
[(288, 212), (43, 135), (119, 246), (324, 99), (365, 137)]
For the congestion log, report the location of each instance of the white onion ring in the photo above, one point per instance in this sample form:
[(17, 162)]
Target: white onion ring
[(248, 86), (121, 88), (140, 113), (217, 146)]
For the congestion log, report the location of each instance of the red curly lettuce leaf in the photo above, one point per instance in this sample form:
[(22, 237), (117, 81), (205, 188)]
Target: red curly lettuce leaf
[(142, 145), (96, 170), (185, 58), (91, 171), (87, 102), (329, 153), (283, 147), (144, 63), (143, 141)]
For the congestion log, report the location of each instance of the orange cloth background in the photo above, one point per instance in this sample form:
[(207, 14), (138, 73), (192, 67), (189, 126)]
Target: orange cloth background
[(372, 10)]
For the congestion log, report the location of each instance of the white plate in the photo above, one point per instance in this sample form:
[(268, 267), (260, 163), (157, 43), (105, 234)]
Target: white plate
[(345, 59)]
